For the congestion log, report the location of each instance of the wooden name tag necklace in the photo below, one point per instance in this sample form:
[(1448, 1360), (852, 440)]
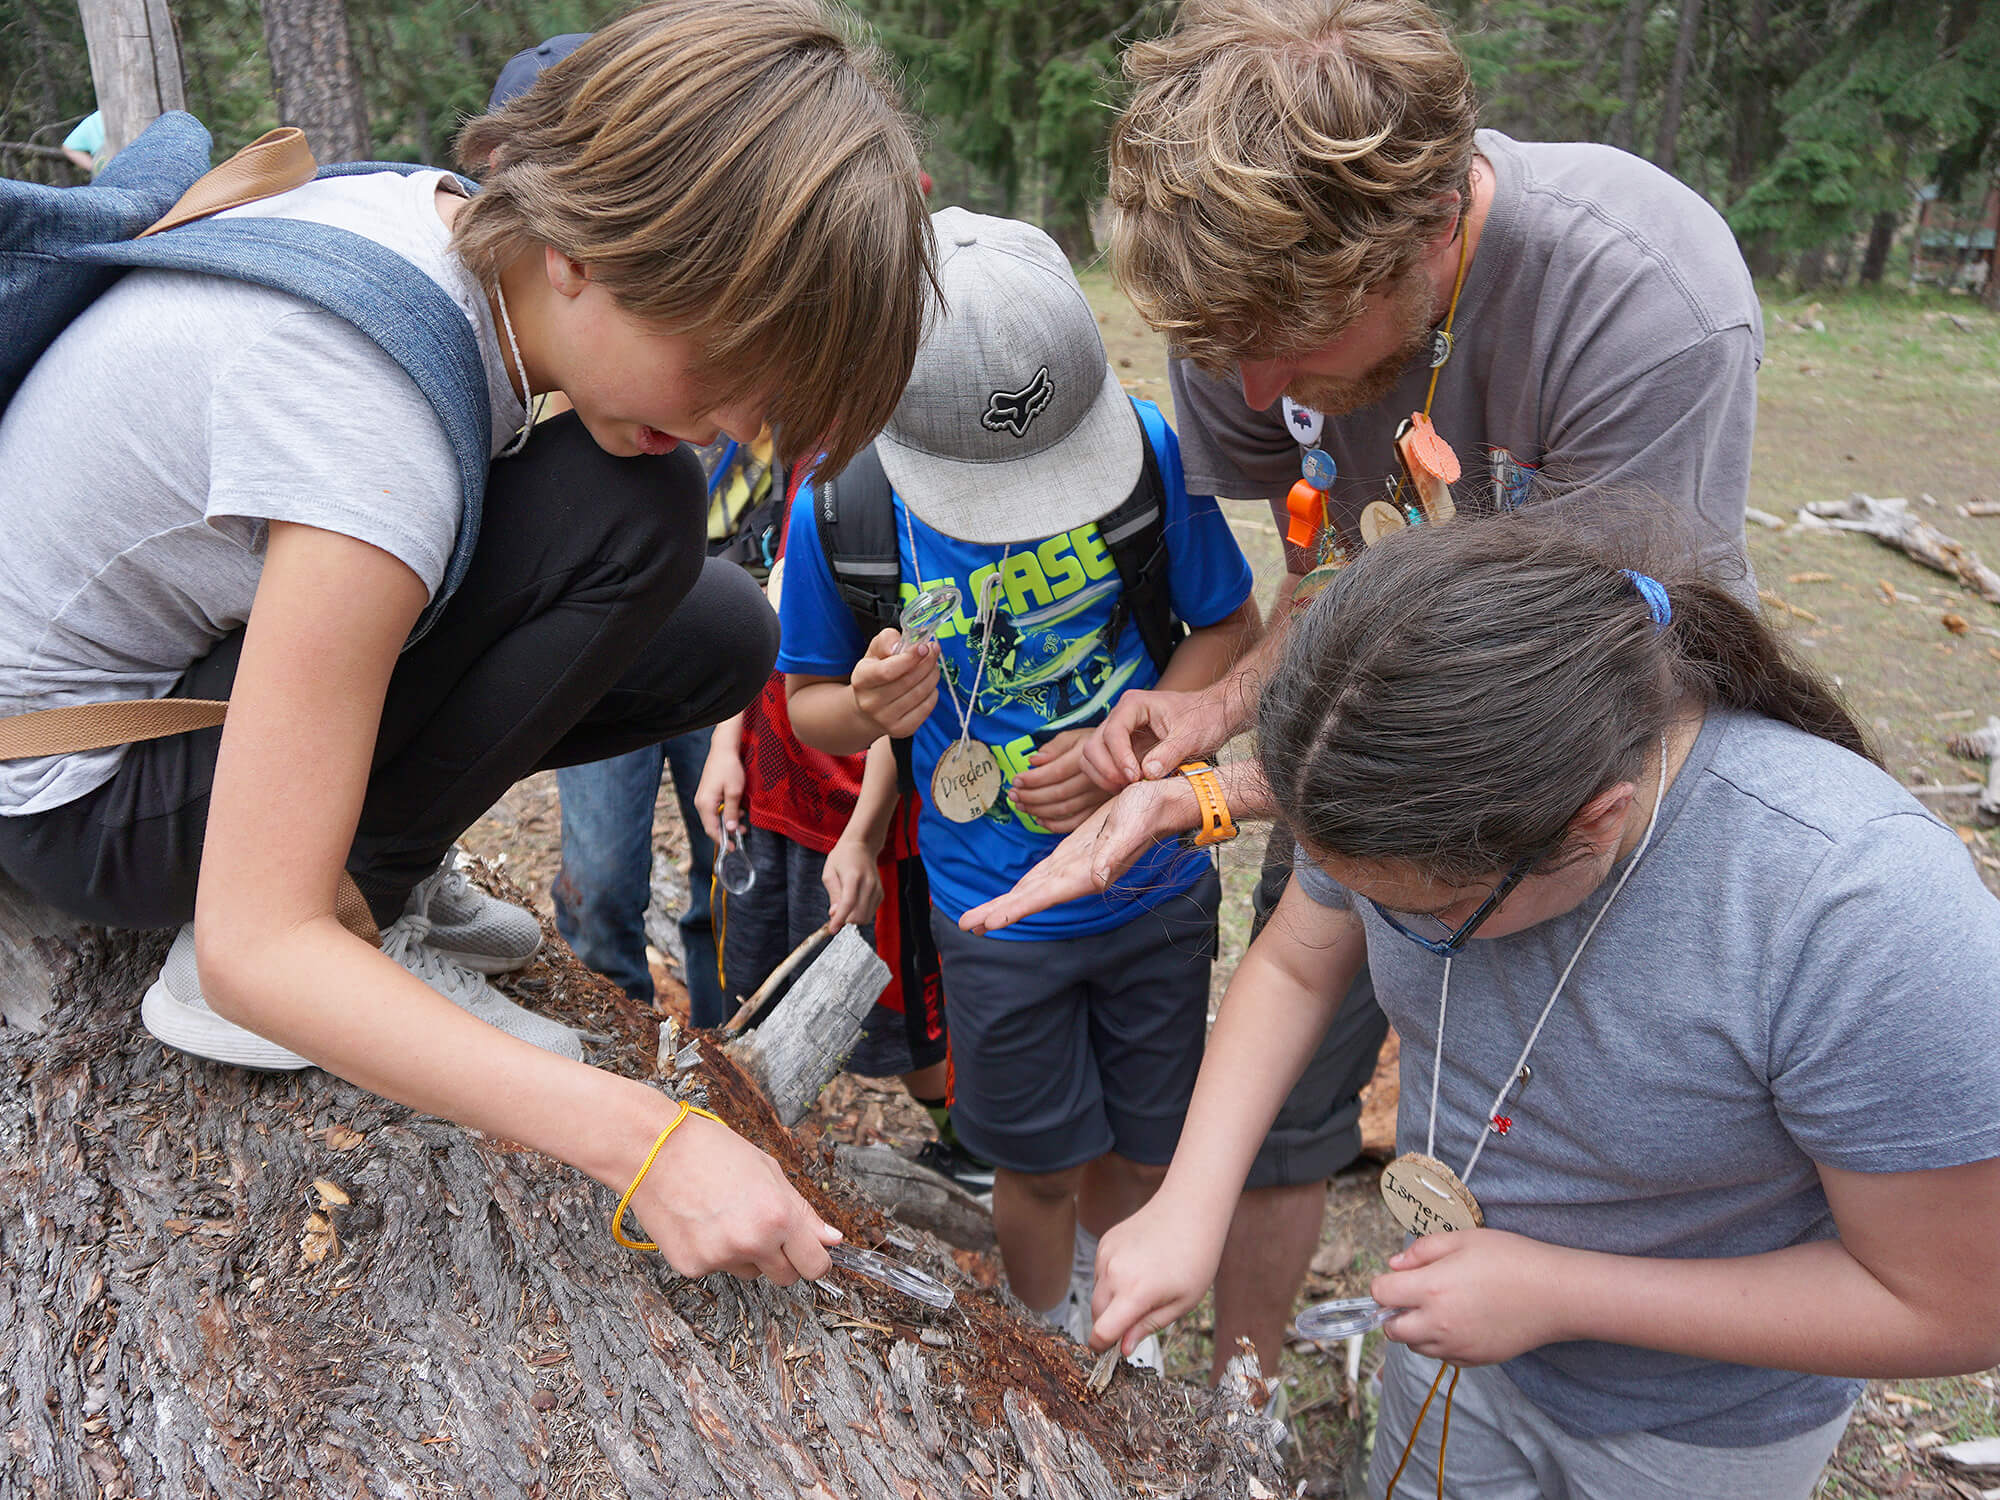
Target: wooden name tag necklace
[(1423, 1194), (966, 781)]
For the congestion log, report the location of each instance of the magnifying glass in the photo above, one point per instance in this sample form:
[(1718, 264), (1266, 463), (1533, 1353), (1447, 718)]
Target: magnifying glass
[(893, 1274), (733, 870), (1343, 1318), (926, 614)]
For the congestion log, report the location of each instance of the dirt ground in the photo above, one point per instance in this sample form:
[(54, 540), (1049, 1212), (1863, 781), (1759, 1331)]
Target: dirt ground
[(1887, 394)]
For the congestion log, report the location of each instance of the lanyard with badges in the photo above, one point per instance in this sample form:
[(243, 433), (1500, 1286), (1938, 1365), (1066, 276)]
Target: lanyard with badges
[(1420, 493)]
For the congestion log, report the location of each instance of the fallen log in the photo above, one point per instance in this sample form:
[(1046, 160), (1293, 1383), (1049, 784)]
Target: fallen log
[(1891, 524), (1983, 744), (228, 1284), (918, 1196)]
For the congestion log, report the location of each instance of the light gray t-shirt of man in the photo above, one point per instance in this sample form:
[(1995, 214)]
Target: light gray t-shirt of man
[(1790, 976), (1608, 333), (151, 446)]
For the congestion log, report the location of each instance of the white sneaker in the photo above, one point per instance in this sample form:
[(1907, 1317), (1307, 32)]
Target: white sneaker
[(472, 929), (1073, 1318), (1147, 1355), (175, 1011)]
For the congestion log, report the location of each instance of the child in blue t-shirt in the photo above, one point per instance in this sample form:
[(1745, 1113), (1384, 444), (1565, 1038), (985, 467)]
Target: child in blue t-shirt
[(1075, 1034)]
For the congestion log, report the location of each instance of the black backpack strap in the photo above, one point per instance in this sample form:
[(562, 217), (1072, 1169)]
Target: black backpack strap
[(856, 518), (1135, 534), (855, 515)]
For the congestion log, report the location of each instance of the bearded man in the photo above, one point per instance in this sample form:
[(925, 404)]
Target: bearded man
[(1304, 207)]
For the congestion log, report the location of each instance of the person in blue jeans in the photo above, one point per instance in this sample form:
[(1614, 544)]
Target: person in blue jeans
[(606, 880)]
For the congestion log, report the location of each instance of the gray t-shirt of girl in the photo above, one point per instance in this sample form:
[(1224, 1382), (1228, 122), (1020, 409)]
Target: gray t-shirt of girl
[(1804, 968)]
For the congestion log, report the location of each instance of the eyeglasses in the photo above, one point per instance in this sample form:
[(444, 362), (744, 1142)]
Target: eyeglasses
[(1446, 947)]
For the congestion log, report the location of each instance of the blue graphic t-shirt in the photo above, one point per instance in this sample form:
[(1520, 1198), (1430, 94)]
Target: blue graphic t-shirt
[(1049, 667)]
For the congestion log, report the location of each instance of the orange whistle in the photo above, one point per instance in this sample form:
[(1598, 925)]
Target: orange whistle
[(1306, 505)]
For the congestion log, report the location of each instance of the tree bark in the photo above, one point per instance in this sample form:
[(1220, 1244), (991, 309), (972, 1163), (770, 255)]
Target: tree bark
[(1664, 152), (1881, 235), (1624, 125), (135, 65), (312, 67), (229, 1284)]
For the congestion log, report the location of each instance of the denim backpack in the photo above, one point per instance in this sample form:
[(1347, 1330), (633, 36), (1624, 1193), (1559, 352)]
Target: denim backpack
[(60, 248)]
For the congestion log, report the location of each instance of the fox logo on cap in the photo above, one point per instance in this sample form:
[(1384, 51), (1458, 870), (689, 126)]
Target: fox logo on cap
[(1012, 411)]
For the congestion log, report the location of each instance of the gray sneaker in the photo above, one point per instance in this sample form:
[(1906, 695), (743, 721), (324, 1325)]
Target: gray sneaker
[(175, 1011), (472, 929), (408, 941)]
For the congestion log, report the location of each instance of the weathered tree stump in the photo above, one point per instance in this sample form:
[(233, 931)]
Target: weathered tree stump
[(219, 1283)]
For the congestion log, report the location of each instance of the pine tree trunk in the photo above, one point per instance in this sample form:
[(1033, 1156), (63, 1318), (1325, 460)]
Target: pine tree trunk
[(312, 68), (1881, 236), (1624, 125), (135, 65), (226, 1284), (1664, 152)]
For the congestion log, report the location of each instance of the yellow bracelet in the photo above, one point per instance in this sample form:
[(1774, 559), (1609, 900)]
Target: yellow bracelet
[(625, 1202)]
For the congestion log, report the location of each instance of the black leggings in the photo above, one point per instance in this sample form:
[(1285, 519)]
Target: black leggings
[(591, 622)]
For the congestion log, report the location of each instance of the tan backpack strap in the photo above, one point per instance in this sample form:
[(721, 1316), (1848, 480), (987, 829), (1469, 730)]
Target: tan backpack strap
[(276, 162), (97, 726), (350, 908)]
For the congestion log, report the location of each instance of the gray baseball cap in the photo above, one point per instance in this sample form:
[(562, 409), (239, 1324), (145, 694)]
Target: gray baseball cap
[(1013, 426)]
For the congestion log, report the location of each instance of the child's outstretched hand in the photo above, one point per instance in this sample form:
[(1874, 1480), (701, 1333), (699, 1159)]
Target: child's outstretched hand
[(1150, 1269), (896, 691), (719, 795), (853, 883)]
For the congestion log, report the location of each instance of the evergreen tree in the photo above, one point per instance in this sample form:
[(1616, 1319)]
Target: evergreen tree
[(1021, 93)]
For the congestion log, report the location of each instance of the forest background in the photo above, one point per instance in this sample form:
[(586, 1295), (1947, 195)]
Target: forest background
[(1818, 127)]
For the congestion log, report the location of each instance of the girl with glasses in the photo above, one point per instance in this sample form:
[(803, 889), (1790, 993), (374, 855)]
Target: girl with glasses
[(1689, 991)]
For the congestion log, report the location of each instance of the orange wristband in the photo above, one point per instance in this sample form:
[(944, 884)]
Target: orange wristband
[(618, 1218), (1217, 827)]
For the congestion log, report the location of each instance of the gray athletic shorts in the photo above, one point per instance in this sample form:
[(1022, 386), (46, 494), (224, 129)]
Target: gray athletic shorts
[(1504, 1447), (1065, 1049), (1318, 1128)]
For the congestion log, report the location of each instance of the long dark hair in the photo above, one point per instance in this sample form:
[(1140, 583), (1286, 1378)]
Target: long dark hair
[(1456, 696)]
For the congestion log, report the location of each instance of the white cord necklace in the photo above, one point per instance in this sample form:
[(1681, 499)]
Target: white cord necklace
[(527, 391), (1425, 1195)]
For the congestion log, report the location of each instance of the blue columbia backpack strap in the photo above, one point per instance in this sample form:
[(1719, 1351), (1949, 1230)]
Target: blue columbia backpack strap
[(57, 257)]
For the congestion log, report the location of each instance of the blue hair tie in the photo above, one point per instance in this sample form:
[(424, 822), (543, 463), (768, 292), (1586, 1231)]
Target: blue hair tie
[(1655, 594)]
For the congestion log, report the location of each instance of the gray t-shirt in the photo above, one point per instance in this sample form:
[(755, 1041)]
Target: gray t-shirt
[(1608, 333), (1802, 969), (152, 444)]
